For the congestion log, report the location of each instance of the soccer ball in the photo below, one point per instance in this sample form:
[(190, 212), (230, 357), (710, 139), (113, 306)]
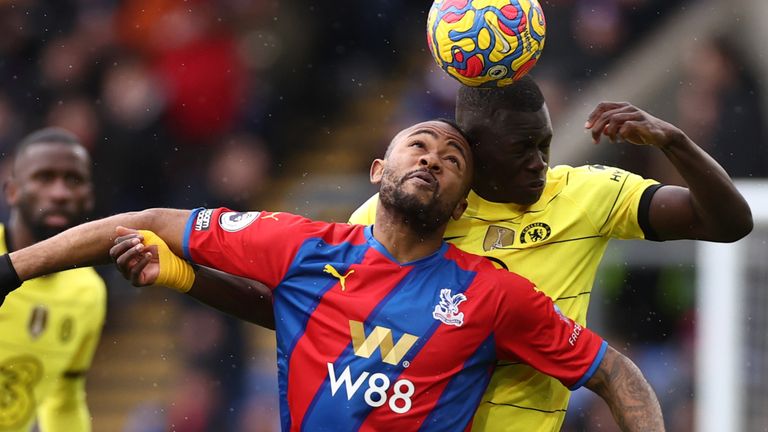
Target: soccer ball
[(486, 43)]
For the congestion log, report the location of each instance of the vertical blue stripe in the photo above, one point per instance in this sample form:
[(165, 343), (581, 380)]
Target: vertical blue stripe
[(188, 232), (296, 297), (406, 309), (460, 399)]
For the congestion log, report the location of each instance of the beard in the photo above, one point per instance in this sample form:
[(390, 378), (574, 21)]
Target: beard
[(39, 229), (421, 217)]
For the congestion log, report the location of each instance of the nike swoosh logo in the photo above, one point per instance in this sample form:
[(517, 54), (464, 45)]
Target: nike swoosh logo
[(452, 238), (506, 48)]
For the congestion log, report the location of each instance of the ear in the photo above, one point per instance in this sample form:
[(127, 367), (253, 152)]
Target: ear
[(459, 209), (11, 191), (377, 171)]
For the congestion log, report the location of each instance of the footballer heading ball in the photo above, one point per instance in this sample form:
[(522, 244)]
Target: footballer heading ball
[(486, 43)]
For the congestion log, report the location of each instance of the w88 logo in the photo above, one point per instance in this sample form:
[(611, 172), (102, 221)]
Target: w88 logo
[(376, 393)]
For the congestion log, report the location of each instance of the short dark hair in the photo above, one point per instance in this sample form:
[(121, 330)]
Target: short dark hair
[(49, 135), (54, 135), (524, 95)]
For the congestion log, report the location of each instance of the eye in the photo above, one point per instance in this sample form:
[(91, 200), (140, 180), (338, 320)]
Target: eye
[(74, 180), (454, 160), (518, 152), (44, 176), (417, 144)]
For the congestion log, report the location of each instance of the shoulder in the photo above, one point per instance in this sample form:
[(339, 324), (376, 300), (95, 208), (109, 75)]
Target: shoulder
[(487, 274), (3, 246), (289, 226), (79, 290), (506, 280), (467, 260), (587, 173), (366, 213), (594, 181), (235, 222), (83, 282)]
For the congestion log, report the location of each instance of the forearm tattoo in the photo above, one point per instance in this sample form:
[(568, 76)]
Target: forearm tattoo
[(632, 400)]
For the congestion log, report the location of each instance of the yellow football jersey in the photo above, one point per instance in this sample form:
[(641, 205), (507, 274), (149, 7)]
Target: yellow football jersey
[(49, 330), (568, 228)]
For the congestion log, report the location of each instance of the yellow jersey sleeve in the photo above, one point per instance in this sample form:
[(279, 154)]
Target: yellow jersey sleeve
[(614, 197), (366, 213)]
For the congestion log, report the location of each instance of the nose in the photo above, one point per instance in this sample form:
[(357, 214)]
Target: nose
[(430, 161), (537, 161), (59, 190)]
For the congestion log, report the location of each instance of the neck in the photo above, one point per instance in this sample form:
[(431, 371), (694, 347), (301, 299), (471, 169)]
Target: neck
[(491, 191), (502, 193), (18, 232), (400, 239)]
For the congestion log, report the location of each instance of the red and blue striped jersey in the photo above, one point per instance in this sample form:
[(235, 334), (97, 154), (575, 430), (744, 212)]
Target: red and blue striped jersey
[(367, 343)]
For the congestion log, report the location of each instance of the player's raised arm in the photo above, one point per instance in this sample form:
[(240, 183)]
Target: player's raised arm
[(632, 401), (711, 208), (86, 244)]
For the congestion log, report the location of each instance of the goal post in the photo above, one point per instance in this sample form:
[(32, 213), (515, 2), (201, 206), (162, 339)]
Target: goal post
[(731, 378)]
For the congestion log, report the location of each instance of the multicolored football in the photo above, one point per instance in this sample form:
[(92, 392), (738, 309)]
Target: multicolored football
[(486, 43)]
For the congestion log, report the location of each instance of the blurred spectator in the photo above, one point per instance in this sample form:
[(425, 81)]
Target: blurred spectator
[(598, 26), (11, 125), (239, 172), (211, 384), (64, 63), (196, 60), (77, 114), (260, 412), (194, 402), (134, 147)]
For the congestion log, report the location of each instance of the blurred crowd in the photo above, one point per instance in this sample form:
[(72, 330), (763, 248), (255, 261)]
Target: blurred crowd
[(185, 103)]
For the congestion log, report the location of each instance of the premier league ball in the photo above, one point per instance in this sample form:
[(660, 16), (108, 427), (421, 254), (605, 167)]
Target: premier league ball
[(486, 43)]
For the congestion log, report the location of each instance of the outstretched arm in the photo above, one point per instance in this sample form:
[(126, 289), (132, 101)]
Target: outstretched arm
[(89, 243), (242, 298), (631, 399), (711, 208)]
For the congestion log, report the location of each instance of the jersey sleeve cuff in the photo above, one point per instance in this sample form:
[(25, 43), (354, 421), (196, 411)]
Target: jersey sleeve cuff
[(644, 210), (593, 368), (188, 233)]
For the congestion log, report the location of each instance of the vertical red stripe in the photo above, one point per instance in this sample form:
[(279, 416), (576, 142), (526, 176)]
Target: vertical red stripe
[(329, 323)]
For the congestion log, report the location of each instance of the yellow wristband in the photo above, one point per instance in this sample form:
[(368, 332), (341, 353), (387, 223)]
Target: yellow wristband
[(174, 272)]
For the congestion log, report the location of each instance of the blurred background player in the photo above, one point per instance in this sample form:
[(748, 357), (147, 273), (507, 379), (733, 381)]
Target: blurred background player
[(518, 206), (50, 327)]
